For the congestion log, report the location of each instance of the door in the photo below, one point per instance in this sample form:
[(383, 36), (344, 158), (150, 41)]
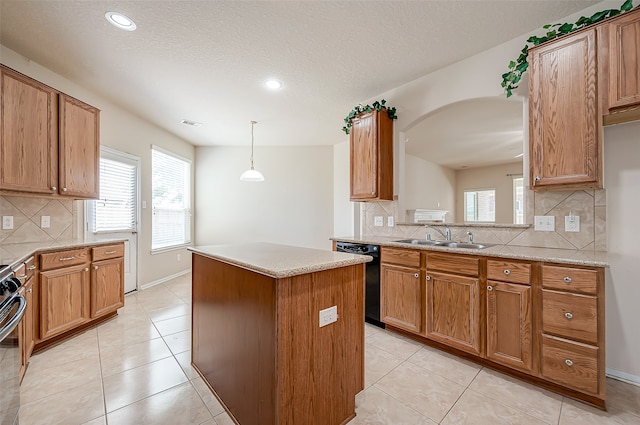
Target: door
[(401, 297), (364, 157), (115, 214)]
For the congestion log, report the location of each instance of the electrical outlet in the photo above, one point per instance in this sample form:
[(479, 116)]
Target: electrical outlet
[(179, 257), (544, 223), (144, 204), (390, 222), (377, 221), (328, 315), (7, 222), (572, 223), (45, 221)]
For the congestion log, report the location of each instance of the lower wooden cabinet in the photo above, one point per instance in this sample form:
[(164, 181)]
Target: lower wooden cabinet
[(401, 297), (25, 330), (107, 286), (64, 299), (453, 311), (509, 325)]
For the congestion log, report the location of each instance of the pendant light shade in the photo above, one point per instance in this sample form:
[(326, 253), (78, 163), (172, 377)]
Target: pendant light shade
[(252, 175)]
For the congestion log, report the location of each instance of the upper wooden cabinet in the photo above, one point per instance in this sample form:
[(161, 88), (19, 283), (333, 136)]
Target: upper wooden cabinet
[(49, 142), (565, 132), (371, 149), (28, 134), (624, 62)]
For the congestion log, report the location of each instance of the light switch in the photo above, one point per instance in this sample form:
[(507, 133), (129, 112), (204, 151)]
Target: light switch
[(572, 223), (390, 222), (377, 221), (45, 221), (544, 223), (7, 222)]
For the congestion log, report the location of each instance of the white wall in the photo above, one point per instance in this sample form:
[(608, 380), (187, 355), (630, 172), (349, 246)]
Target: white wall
[(123, 131), (428, 186), (493, 177), (343, 209), (622, 183), (293, 206)]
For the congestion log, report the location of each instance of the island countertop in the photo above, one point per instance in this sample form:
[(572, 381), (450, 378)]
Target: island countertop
[(279, 261)]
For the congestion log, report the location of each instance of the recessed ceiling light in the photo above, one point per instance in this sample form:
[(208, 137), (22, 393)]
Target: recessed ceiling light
[(121, 21), (191, 123), (273, 84)]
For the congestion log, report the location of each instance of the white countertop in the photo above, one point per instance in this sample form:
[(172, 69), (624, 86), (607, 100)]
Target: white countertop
[(279, 261), (563, 256)]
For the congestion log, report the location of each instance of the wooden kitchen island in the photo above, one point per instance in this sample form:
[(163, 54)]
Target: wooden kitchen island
[(256, 335)]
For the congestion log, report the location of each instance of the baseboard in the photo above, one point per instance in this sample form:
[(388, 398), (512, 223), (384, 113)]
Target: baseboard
[(165, 279), (624, 377)]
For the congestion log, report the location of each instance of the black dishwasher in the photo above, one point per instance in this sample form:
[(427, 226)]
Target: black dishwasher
[(372, 289)]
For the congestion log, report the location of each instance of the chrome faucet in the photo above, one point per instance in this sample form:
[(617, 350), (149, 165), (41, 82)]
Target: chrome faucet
[(446, 234), (470, 237)]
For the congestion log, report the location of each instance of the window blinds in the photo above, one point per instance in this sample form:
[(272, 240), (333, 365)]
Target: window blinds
[(115, 209), (170, 200)]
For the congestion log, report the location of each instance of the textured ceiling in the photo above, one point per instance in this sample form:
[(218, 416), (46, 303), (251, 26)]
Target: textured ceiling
[(206, 60)]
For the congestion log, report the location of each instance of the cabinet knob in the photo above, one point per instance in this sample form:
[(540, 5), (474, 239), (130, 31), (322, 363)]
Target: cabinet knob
[(30, 290), (537, 178), (86, 269), (567, 279), (95, 267), (416, 275), (568, 362), (568, 315), (373, 193), (54, 188), (428, 277), (64, 189), (507, 272), (489, 288)]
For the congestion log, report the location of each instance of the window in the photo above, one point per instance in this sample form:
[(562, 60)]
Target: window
[(518, 200), (115, 209), (480, 205), (171, 189)]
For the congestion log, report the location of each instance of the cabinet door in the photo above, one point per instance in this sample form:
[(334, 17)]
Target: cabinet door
[(453, 311), (401, 297), (107, 286), (364, 157), (28, 134), (509, 337), (64, 300), (25, 328), (624, 60), (565, 126), (79, 148)]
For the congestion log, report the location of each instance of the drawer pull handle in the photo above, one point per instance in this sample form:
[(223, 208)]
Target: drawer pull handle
[(67, 258), (428, 277), (567, 279), (568, 362), (568, 315), (109, 252), (507, 272), (489, 288), (31, 268), (22, 276), (416, 275)]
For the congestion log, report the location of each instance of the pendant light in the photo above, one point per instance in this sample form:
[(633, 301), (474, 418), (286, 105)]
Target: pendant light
[(252, 175)]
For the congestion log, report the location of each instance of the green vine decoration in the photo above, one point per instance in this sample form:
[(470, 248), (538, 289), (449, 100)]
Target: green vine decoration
[(518, 67), (359, 109)]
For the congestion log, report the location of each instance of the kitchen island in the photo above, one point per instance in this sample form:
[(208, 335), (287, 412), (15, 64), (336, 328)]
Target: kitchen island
[(257, 338)]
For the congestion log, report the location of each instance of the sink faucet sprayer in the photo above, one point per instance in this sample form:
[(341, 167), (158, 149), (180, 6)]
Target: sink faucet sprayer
[(446, 235)]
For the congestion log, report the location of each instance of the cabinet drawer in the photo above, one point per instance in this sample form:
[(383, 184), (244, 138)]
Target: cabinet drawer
[(30, 264), (570, 279), (108, 251), (403, 257), (452, 263), (71, 257), (570, 315), (509, 271), (570, 363)]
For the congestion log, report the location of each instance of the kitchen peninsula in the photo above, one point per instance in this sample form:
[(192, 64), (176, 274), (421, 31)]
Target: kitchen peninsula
[(258, 339)]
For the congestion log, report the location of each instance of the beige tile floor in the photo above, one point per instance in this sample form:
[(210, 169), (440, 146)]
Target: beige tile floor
[(135, 369)]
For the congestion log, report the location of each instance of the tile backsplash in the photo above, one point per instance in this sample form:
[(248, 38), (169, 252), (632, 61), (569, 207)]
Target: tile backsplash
[(27, 213), (590, 205)]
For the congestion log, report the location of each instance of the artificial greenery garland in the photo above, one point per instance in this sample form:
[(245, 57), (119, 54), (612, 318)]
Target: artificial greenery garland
[(518, 67), (358, 109)]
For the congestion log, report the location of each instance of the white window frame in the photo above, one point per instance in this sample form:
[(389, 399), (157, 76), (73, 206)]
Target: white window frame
[(187, 195), (465, 205)]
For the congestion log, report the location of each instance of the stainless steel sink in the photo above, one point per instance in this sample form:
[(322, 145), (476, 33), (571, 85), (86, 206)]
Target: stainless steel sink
[(449, 244)]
